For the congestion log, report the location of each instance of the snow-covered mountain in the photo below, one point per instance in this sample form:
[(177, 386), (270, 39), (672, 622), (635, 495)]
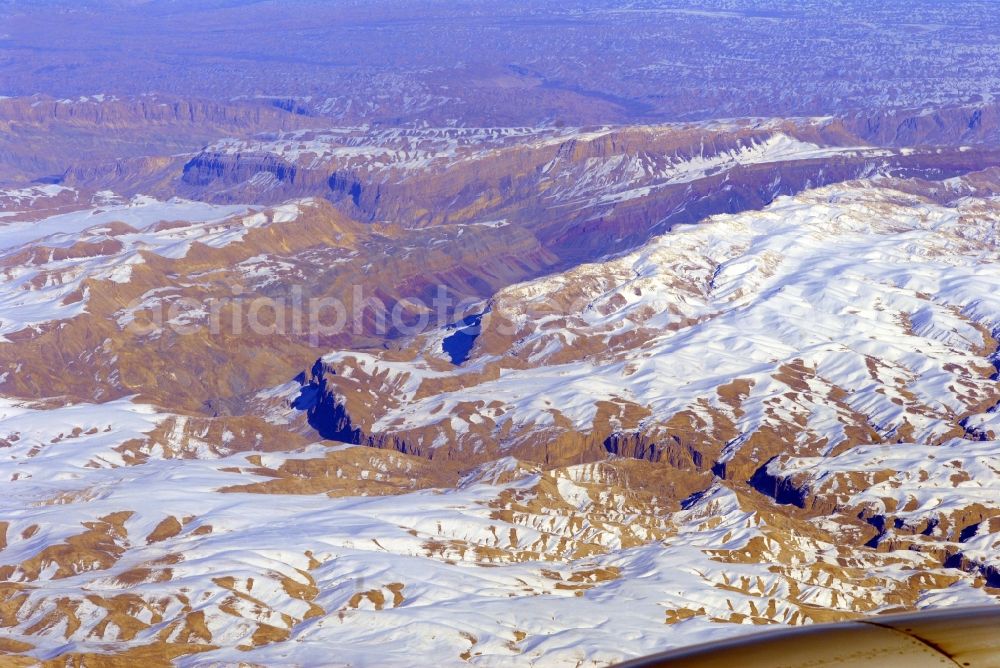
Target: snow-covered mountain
[(862, 312), (688, 380)]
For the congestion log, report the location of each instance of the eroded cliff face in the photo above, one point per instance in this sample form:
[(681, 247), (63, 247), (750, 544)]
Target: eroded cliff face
[(124, 113), (585, 194), (82, 139), (956, 126)]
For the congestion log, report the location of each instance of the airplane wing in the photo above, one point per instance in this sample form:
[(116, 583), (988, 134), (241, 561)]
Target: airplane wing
[(964, 637)]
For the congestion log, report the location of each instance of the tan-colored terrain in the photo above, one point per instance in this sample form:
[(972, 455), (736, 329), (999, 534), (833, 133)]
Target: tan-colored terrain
[(660, 432)]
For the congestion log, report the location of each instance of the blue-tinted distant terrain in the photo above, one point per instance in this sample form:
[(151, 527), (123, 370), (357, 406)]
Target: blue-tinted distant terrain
[(514, 62)]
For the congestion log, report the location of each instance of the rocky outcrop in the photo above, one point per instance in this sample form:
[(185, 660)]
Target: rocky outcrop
[(951, 125), (782, 490), (119, 114), (232, 170), (326, 413)]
